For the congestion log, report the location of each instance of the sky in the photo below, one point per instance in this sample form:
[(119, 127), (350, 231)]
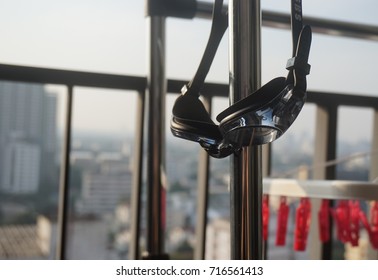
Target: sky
[(109, 36)]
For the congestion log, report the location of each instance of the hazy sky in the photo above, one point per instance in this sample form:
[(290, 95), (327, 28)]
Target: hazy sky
[(110, 36)]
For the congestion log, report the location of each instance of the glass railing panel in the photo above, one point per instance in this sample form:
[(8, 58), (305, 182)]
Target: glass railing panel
[(354, 143), (101, 174), (182, 160)]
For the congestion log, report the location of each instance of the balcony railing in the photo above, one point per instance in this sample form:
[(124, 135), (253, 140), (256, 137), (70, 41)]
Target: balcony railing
[(327, 105), (329, 102)]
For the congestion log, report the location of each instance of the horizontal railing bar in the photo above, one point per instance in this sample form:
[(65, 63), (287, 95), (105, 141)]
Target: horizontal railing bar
[(324, 26), (209, 89), (88, 79), (327, 99), (205, 10), (326, 189), (318, 25), (72, 78), (18, 73)]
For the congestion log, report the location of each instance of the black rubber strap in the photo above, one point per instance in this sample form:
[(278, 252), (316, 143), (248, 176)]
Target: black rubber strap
[(218, 28), (299, 61), (296, 22), (296, 27), (300, 66)]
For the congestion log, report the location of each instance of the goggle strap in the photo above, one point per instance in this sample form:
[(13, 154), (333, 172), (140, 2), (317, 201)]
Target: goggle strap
[(296, 22), (300, 66), (218, 28), (296, 27)]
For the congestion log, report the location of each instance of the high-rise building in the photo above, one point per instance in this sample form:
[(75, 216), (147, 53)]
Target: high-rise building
[(28, 126), (21, 168)]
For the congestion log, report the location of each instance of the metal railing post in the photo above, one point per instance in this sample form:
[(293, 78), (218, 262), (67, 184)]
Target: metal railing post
[(63, 206), (320, 156), (327, 250), (325, 150), (373, 174), (246, 167), (202, 197), (156, 185), (134, 253)]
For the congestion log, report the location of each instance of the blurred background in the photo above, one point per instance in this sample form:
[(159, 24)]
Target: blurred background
[(111, 37)]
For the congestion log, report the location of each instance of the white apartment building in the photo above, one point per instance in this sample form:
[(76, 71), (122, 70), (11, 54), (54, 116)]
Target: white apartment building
[(27, 135), (21, 168), (104, 189), (102, 192)]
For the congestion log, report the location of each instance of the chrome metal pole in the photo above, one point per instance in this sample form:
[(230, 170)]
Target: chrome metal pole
[(156, 186), (246, 166)]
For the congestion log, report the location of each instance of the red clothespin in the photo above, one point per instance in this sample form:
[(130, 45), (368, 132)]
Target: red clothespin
[(341, 216), (324, 221), (302, 224), (373, 227), (265, 218), (354, 224), (374, 216), (374, 224), (373, 236), (283, 215)]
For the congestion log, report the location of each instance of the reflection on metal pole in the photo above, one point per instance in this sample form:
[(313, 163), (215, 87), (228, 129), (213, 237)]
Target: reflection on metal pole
[(156, 186), (246, 166)]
